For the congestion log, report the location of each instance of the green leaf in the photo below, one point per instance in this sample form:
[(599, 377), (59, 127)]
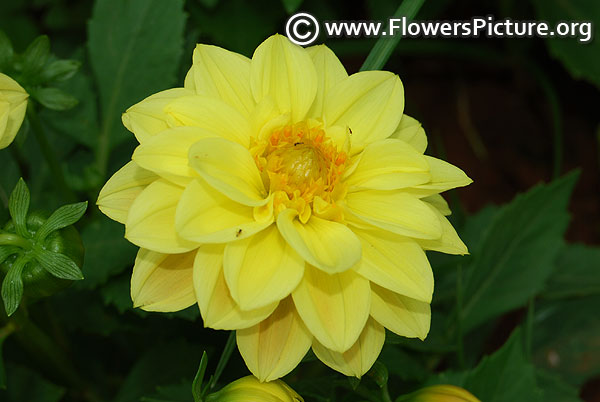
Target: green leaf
[(581, 59), (27, 385), (555, 389), (517, 252), (199, 378), (58, 265), (6, 51), (60, 70), (135, 47), (18, 205), (385, 45), (291, 5), (577, 273), (35, 56), (54, 98), (61, 218), (12, 286), (566, 338)]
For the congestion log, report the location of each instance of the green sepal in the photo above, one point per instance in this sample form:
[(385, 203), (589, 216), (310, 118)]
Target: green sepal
[(12, 286), (18, 205), (35, 56), (59, 265), (7, 251), (60, 70), (379, 373), (61, 218), (54, 98), (199, 378)]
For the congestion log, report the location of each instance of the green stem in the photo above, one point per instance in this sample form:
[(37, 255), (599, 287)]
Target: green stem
[(225, 355), (385, 393), (385, 45), (49, 153), (11, 239)]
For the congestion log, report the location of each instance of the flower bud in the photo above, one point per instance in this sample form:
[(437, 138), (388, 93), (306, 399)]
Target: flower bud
[(440, 393), (249, 389), (13, 104)]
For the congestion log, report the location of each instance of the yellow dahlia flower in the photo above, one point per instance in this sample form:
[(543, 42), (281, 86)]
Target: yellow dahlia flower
[(13, 104), (291, 201), (440, 393), (249, 389)]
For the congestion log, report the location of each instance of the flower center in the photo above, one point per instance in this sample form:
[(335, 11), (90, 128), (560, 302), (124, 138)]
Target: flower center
[(301, 166)]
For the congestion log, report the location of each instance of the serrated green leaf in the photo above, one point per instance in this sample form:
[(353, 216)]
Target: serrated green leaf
[(54, 98), (60, 70), (58, 265), (18, 206), (199, 378), (6, 51), (61, 218), (517, 252), (36, 55), (12, 286), (577, 273), (135, 47)]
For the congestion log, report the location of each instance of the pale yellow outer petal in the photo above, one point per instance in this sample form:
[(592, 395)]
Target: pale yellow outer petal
[(148, 117), (151, 220), (388, 165), (330, 71), (328, 245), (13, 105), (218, 309), (410, 131), (262, 269), (395, 211), (211, 114), (449, 242), (369, 102), (163, 282), (204, 215), (274, 347), (438, 202), (400, 314), (395, 262), (334, 307), (444, 176), (229, 168), (357, 360), (121, 190), (222, 74), (166, 153), (286, 73)]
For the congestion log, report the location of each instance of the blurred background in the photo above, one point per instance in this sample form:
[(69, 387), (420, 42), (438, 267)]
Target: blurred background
[(510, 112)]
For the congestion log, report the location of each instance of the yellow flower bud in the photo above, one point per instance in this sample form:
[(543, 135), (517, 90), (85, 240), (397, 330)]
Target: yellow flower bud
[(13, 104), (249, 389), (440, 393)]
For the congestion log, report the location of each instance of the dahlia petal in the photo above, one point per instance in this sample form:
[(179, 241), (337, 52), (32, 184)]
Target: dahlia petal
[(395, 211), (395, 262), (449, 242), (204, 215), (261, 269), (151, 219), (148, 117), (121, 189), (444, 176), (410, 131), (163, 282), (211, 114), (285, 72), (221, 74), (229, 168), (328, 245), (388, 165), (369, 102), (357, 360), (402, 315), (166, 153), (13, 105), (330, 71), (438, 202), (275, 346), (334, 307), (218, 309)]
